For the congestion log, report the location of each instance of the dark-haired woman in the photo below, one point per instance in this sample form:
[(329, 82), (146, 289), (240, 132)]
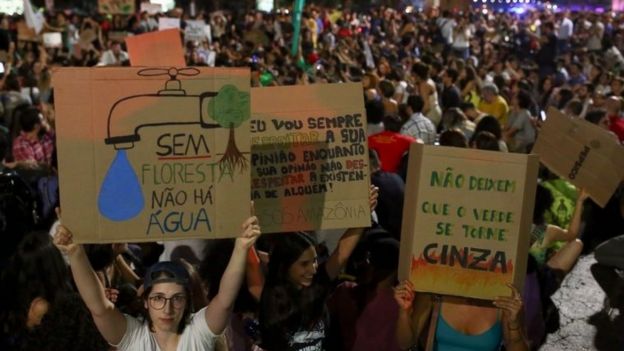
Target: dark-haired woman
[(32, 280), (293, 315), (546, 239), (519, 132), (490, 124), (169, 322), (428, 91)]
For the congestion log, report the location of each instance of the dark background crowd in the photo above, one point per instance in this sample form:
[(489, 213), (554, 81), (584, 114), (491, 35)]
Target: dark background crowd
[(476, 78)]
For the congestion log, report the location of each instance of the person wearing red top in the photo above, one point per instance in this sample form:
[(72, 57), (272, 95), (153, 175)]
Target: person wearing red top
[(31, 146), (616, 125), (390, 145), (614, 121)]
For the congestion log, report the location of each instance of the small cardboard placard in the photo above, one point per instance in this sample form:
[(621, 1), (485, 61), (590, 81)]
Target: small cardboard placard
[(52, 40), (466, 220), (119, 36), (116, 7), (582, 153), (161, 48), (25, 33), (151, 9), (165, 23), (309, 159), (86, 39), (153, 154), (197, 30)]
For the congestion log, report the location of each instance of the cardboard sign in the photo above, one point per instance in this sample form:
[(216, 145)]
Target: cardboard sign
[(165, 23), (52, 40), (197, 30), (466, 220), (582, 153), (119, 36), (87, 36), (309, 160), (113, 7), (153, 154), (162, 48), (25, 33), (151, 9)]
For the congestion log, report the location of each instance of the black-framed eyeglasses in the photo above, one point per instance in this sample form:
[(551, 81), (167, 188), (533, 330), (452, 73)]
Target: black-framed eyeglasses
[(158, 302)]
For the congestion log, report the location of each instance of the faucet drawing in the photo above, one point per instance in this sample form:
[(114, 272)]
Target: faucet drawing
[(121, 194), (170, 106)]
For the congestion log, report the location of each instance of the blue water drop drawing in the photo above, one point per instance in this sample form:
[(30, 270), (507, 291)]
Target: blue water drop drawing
[(121, 196)]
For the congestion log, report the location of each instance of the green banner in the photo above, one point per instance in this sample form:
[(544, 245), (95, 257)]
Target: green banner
[(297, 10)]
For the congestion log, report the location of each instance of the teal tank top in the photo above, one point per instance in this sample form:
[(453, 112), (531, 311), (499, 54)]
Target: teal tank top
[(449, 339)]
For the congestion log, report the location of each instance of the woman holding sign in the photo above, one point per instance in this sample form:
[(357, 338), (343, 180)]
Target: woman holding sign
[(293, 315), (169, 322), (459, 323)]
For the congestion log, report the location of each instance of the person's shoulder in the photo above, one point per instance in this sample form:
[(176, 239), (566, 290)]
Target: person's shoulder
[(136, 336)]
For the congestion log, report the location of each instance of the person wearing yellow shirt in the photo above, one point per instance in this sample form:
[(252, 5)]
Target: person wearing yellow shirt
[(493, 104)]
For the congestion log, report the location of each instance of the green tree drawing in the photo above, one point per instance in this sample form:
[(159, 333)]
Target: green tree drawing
[(230, 108)]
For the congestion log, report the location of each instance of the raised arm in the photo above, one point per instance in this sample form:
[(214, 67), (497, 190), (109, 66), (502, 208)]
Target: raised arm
[(109, 321), (555, 233), (219, 310), (404, 296), (513, 325), (348, 241)]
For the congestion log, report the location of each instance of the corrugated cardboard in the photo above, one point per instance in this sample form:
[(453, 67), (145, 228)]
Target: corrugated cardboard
[(291, 193), (582, 153), (436, 206), (128, 131), (161, 48)]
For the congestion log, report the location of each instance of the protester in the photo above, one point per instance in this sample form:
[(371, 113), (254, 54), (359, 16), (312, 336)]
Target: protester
[(415, 123), (364, 313), (169, 322), (411, 64), (452, 320), (390, 145), (292, 308), (33, 280)]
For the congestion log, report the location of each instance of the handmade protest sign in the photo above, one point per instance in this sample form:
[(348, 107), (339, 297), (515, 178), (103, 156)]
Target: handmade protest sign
[(161, 48), (582, 153), (52, 40), (466, 220), (165, 23), (151, 9), (25, 33), (197, 30), (112, 7), (309, 161), (153, 154)]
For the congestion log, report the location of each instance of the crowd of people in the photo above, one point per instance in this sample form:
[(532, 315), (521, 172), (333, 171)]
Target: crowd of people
[(475, 79)]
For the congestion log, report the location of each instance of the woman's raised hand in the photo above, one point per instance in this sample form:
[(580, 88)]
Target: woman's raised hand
[(372, 197), (64, 240), (404, 295), (511, 308), (251, 230)]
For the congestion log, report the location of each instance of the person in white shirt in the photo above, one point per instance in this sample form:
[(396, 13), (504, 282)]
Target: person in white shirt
[(596, 32), (115, 56), (446, 24), (168, 322), (566, 30), (462, 34)]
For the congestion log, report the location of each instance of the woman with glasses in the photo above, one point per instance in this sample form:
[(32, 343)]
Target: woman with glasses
[(168, 321)]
